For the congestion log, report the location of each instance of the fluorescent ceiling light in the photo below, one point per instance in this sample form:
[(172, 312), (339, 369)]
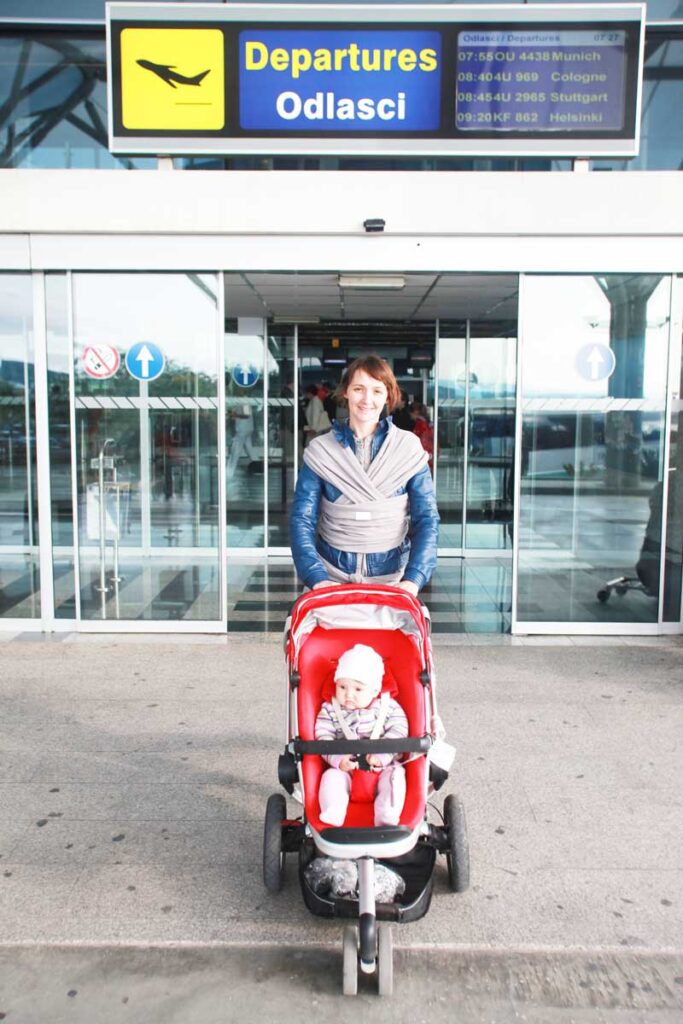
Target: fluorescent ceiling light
[(294, 319), (388, 283)]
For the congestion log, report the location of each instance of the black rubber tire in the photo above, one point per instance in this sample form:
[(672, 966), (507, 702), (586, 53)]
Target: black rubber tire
[(385, 959), (367, 928), (458, 855), (350, 961), (273, 856)]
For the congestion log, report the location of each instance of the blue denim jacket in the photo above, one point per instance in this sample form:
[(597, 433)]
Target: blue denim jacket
[(416, 556)]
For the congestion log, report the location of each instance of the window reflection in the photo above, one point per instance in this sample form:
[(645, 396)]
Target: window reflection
[(661, 138), (19, 560), (244, 432), (61, 499), (53, 102), (476, 428), (594, 385), (147, 470), (281, 434)]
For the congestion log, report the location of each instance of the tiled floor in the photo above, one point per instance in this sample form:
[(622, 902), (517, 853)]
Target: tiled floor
[(463, 597)]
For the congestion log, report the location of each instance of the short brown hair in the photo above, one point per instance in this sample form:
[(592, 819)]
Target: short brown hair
[(376, 367)]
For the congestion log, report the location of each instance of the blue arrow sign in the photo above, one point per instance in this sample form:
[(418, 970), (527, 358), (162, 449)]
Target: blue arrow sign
[(245, 375), (595, 362), (145, 361)]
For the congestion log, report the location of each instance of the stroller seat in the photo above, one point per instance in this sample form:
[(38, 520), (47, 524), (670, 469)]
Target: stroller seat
[(317, 663)]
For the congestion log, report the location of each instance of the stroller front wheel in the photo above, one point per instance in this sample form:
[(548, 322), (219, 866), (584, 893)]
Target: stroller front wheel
[(273, 854), (350, 961)]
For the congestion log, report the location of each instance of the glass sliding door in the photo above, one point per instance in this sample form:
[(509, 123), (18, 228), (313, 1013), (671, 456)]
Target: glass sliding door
[(66, 604), (451, 414), (491, 377), (245, 432), (594, 388), (476, 428), (673, 549), (19, 551), (145, 360), (281, 432)]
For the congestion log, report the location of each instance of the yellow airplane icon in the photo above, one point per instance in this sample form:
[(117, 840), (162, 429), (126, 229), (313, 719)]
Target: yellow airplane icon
[(155, 96)]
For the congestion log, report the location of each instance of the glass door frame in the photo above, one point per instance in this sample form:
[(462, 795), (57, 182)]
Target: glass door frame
[(672, 402)]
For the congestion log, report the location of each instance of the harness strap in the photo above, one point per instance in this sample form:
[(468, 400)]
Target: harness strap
[(349, 734)]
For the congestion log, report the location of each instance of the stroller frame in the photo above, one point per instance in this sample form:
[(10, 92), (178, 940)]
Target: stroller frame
[(409, 848)]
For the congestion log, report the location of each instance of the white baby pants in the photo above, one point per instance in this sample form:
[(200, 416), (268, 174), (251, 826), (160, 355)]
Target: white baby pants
[(335, 791)]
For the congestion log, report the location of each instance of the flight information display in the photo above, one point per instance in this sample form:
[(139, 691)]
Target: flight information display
[(541, 81), (421, 79)]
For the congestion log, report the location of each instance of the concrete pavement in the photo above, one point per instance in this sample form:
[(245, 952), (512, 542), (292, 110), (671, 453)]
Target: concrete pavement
[(135, 772)]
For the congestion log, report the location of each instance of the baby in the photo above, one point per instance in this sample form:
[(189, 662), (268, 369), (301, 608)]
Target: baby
[(357, 711)]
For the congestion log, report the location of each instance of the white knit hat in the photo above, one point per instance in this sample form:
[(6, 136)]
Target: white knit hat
[(362, 663)]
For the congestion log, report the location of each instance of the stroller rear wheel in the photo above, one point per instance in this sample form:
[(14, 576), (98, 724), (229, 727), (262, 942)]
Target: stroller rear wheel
[(458, 853), (273, 854), (350, 961)]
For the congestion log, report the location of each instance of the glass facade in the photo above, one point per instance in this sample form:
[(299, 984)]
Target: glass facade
[(594, 387), (139, 462)]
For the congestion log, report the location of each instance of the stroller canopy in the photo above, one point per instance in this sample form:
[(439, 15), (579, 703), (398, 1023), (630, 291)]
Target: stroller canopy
[(357, 606)]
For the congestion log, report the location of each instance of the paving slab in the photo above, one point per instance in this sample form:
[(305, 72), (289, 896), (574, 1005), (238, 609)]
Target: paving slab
[(226, 985)]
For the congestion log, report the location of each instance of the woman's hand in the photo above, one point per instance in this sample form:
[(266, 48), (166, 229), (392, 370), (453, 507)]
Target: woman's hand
[(408, 585), (325, 583), (348, 763)]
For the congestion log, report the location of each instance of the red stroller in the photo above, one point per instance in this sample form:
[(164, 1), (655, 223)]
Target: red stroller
[(323, 624)]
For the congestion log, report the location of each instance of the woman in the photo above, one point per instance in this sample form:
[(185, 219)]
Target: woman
[(364, 507)]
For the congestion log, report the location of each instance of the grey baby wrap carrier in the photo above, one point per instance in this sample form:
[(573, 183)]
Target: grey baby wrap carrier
[(368, 516)]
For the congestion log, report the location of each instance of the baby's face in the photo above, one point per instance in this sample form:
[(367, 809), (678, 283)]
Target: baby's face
[(353, 694)]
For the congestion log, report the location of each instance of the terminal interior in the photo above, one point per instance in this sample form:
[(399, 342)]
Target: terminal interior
[(142, 473)]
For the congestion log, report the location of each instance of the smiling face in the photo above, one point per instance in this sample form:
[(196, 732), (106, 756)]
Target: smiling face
[(353, 694), (366, 397)]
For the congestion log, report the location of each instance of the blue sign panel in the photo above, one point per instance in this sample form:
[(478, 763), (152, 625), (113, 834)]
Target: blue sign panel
[(145, 361), (245, 376), (595, 362), (339, 80), (549, 80)]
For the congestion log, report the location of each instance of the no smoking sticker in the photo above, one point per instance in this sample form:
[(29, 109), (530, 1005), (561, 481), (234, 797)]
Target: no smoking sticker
[(100, 361)]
